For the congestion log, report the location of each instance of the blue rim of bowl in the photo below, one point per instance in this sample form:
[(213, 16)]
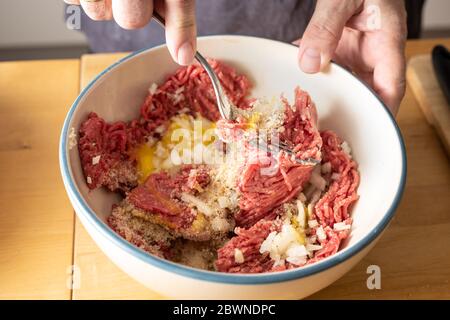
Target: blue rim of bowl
[(243, 279)]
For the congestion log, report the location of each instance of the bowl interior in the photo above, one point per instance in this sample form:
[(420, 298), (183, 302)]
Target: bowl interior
[(344, 105)]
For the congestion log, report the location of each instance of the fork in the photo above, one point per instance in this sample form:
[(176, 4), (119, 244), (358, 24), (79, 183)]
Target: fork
[(227, 109)]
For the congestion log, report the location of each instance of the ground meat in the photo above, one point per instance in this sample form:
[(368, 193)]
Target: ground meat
[(163, 216), (156, 240), (157, 197), (261, 192), (143, 234), (330, 244), (160, 200), (192, 179), (104, 153), (196, 254), (122, 175), (188, 89), (334, 205), (248, 241)]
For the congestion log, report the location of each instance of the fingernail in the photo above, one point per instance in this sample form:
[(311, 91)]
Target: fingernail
[(185, 54), (310, 61)]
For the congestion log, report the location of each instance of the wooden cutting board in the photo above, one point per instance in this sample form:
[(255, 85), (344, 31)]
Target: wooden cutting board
[(425, 86)]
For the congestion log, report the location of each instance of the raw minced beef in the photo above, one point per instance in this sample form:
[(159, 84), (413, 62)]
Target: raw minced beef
[(252, 212)]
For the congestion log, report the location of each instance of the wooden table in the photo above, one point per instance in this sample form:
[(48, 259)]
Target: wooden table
[(42, 244)]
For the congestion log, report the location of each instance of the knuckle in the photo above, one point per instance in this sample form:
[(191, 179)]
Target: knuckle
[(323, 31), (131, 24), (185, 23)]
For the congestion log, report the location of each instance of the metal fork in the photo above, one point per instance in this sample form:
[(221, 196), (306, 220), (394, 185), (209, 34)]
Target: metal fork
[(227, 109)]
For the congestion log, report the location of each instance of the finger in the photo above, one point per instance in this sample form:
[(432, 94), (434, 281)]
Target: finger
[(97, 9), (132, 14), (181, 30), (323, 32), (389, 78), (75, 2)]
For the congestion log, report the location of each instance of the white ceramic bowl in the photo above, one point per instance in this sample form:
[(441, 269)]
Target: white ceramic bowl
[(344, 104)]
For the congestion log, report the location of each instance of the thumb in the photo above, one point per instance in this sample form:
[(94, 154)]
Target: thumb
[(323, 33), (181, 30)]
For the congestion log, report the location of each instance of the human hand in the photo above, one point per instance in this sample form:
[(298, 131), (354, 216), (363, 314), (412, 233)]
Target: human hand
[(133, 14), (366, 36)]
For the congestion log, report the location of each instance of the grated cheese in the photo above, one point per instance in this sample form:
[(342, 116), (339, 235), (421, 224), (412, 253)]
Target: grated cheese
[(177, 96), (223, 202), (220, 224)]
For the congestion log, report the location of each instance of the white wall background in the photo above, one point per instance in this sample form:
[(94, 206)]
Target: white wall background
[(436, 15), (35, 23), (40, 23)]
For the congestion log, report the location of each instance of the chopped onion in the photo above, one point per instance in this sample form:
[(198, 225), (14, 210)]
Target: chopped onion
[(96, 160), (313, 247), (341, 226), (153, 88), (201, 205), (313, 223), (301, 217), (321, 233), (220, 224), (238, 256), (266, 246), (296, 254)]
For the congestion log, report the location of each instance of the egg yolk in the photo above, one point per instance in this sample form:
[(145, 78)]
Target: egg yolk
[(183, 133)]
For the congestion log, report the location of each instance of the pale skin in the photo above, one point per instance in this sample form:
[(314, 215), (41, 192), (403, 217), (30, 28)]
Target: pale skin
[(366, 36)]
